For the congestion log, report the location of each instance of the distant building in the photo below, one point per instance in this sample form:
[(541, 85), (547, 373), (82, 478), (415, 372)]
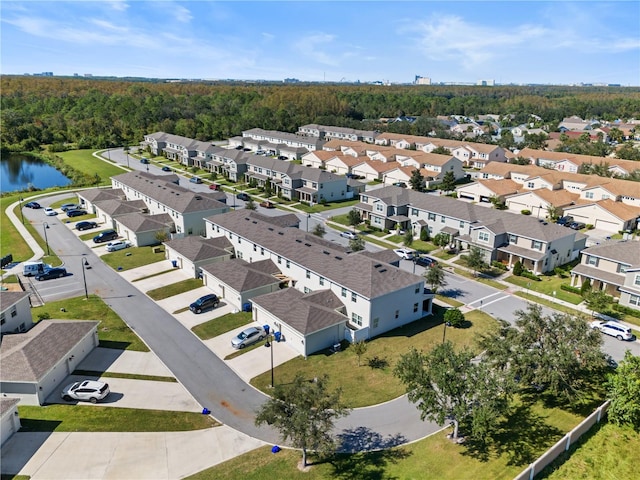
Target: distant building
[(291, 80), (486, 83), (422, 80)]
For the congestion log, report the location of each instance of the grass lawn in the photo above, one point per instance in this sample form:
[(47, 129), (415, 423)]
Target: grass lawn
[(84, 161), (93, 233), (606, 452), (423, 246), (84, 418), (175, 288), (478, 278), (548, 285), (319, 208), (449, 301), (133, 257), (59, 203), (444, 255), (155, 275), (131, 376), (112, 331), (382, 353), (221, 325), (435, 457)]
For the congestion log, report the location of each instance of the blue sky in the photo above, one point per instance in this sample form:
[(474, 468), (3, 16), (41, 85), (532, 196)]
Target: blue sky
[(452, 41)]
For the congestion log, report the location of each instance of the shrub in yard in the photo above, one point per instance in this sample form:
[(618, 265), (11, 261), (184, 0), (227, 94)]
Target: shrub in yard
[(499, 265), (530, 276), (626, 310), (454, 317), (517, 268), (585, 288), (571, 289), (589, 226), (525, 212)]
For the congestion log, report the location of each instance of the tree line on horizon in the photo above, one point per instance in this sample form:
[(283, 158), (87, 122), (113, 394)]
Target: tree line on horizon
[(92, 113)]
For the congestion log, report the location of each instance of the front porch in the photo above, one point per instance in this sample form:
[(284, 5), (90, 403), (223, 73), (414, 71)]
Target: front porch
[(608, 282), (531, 260)]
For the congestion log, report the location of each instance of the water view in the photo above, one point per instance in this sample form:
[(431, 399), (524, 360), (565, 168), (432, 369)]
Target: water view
[(18, 172)]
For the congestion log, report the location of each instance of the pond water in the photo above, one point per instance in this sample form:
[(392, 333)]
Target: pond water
[(18, 172)]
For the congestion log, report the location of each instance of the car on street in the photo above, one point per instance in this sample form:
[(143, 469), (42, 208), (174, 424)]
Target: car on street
[(612, 328), (55, 272), (144, 161), (565, 221), (247, 337), (243, 196), (50, 211), (166, 169), (349, 234), (76, 213), (205, 303), (118, 245), (87, 390), (214, 186), (34, 205), (577, 225), (267, 204), (404, 253), (86, 225), (195, 180), (400, 184), (105, 236), (69, 206), (425, 261)]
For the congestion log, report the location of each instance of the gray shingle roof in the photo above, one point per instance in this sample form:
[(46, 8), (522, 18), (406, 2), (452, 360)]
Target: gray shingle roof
[(625, 251), (138, 223), (96, 194), (115, 207), (306, 313), (27, 357), (197, 249), (6, 404), (173, 196), (358, 273), (9, 299), (243, 276)]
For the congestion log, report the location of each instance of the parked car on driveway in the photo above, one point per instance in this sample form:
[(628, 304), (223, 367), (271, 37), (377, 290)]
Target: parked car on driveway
[(404, 253), (50, 211), (56, 272), (565, 221), (69, 206), (349, 234), (247, 337), (34, 205), (76, 213), (86, 225), (243, 196), (204, 303), (90, 390), (105, 236), (118, 245), (614, 329), (577, 225)]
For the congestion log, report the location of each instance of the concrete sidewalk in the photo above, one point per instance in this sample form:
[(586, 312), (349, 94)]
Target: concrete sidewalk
[(121, 455)]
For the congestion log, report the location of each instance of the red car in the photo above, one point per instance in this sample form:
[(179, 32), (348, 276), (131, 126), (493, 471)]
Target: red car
[(267, 204), (214, 186)]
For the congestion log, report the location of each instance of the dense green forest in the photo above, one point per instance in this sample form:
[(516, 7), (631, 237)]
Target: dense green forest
[(99, 113)]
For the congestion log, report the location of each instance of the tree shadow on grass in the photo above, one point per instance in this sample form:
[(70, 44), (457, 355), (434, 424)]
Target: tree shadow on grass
[(366, 455), (522, 437)]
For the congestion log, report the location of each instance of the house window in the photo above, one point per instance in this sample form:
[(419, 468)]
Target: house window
[(379, 207), (442, 219), (231, 236), (637, 280), (513, 239), (536, 245), (308, 273), (239, 255), (414, 212), (483, 237), (634, 300), (485, 175), (354, 297), (461, 225), (588, 195), (321, 280), (375, 322), (397, 313), (432, 216), (261, 251), (14, 312), (239, 240), (255, 247), (344, 292), (415, 307), (288, 265), (591, 260), (279, 259), (417, 289), (531, 185), (357, 319), (622, 268), (306, 290), (2, 320)]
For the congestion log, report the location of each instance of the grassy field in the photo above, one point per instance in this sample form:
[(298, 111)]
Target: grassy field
[(221, 325), (548, 285), (528, 431), (133, 257), (479, 278), (11, 242), (175, 288), (376, 369), (606, 452), (319, 208), (84, 418), (84, 161), (112, 331), (130, 376)]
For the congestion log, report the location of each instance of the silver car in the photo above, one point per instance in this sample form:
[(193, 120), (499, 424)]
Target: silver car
[(90, 390), (247, 337)]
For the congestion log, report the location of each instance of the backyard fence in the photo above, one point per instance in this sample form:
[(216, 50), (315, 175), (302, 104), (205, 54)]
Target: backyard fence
[(563, 444)]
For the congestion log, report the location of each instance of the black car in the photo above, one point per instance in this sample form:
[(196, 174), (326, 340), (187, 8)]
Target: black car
[(57, 272), (86, 225), (34, 205), (577, 225), (76, 213), (166, 169), (425, 261), (565, 221), (243, 196), (144, 160), (105, 236), (204, 303)]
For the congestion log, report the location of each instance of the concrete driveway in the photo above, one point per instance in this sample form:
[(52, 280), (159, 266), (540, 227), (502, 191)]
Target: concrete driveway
[(258, 361), (162, 280), (182, 300), (144, 271), (190, 319)]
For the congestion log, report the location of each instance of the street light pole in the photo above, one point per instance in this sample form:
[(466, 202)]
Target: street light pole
[(85, 264), (269, 345), (46, 240), (308, 215)]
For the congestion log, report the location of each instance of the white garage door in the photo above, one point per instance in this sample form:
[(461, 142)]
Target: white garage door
[(607, 226)]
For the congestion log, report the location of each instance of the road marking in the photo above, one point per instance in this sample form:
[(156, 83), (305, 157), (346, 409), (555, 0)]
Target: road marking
[(481, 300), (482, 305)]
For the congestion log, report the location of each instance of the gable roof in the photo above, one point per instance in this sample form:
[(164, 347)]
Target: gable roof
[(9, 298), (27, 357), (138, 223), (197, 249), (243, 276), (624, 251), (96, 194)]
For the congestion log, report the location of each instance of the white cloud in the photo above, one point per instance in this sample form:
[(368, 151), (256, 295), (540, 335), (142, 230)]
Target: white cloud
[(310, 46), (118, 5), (182, 14)]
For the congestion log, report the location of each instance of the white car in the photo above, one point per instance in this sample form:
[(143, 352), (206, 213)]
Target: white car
[(614, 329), (404, 253), (50, 212), (90, 390), (349, 234), (118, 245)]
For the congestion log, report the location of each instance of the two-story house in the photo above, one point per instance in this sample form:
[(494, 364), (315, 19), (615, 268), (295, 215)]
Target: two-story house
[(15, 312), (325, 132)]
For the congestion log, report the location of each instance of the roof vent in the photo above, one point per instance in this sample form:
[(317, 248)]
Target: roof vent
[(280, 233), (382, 270), (307, 244), (338, 258), (325, 252), (270, 228), (198, 197), (377, 265)]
